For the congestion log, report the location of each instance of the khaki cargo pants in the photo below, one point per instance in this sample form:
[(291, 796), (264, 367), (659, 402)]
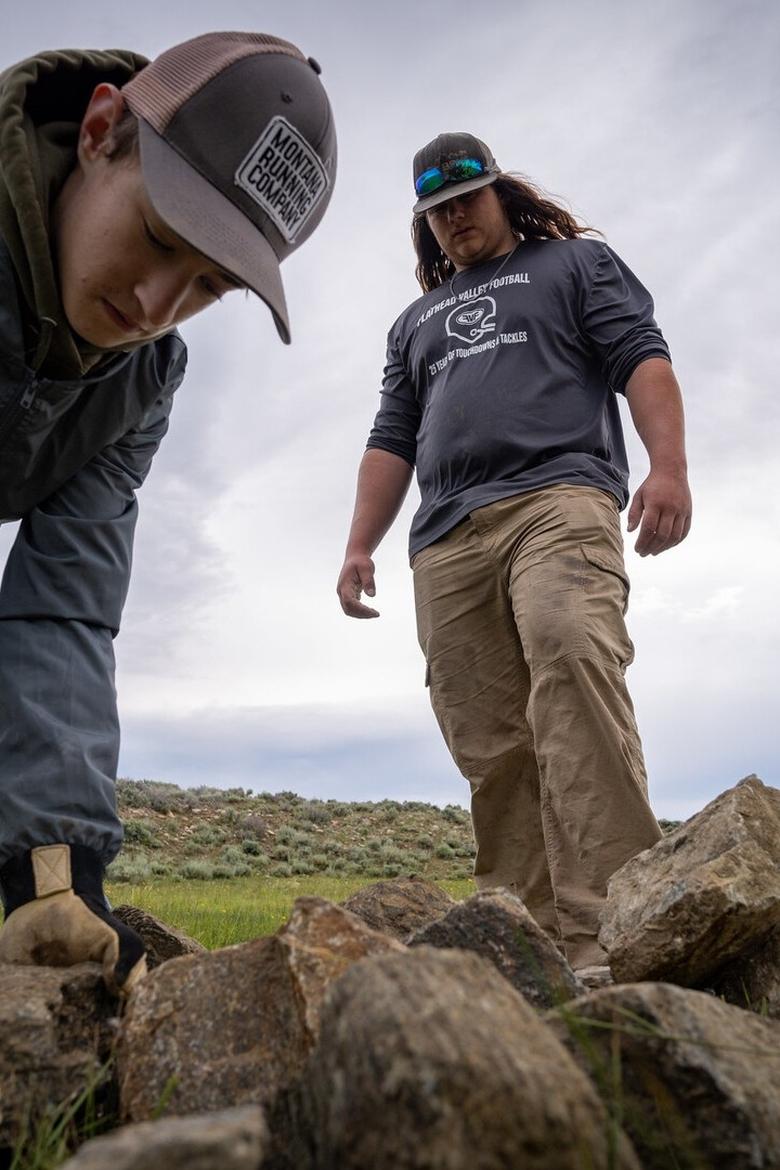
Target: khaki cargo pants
[(520, 617)]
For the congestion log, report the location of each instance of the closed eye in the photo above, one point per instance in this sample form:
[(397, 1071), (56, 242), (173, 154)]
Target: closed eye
[(155, 241), (211, 288), (215, 289)]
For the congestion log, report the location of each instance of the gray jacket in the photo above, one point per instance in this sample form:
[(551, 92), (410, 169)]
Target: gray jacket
[(72, 455), (50, 429)]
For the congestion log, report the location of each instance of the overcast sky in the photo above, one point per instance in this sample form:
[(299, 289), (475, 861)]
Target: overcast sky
[(657, 124)]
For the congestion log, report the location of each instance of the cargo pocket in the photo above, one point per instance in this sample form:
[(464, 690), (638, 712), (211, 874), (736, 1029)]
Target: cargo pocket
[(608, 565)]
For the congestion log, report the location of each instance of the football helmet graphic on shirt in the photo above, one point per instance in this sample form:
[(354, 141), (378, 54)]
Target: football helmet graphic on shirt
[(471, 321)]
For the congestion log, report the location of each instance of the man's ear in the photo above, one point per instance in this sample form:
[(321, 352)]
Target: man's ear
[(102, 115)]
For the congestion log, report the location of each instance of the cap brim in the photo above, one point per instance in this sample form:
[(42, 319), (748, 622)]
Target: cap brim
[(451, 190), (209, 222)]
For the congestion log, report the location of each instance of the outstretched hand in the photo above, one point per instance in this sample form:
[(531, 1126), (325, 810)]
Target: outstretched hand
[(663, 506), (357, 577)]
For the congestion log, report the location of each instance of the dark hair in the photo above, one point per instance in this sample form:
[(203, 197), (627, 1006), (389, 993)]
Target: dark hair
[(124, 146), (531, 215)]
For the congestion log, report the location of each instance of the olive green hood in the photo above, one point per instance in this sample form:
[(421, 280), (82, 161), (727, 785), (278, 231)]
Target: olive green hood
[(42, 101)]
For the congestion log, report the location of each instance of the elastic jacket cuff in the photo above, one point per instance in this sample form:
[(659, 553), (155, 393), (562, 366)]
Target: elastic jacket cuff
[(76, 867)]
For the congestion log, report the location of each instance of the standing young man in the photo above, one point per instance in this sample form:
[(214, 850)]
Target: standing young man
[(132, 196), (500, 388)]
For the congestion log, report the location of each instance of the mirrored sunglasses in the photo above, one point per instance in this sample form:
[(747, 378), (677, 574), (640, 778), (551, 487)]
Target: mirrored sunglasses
[(454, 171)]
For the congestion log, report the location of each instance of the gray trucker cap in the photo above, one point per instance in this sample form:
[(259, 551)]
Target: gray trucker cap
[(443, 154), (238, 152)]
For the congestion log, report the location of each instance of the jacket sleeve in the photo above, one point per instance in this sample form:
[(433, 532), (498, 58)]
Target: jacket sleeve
[(72, 556), (617, 318), (398, 419), (61, 600)]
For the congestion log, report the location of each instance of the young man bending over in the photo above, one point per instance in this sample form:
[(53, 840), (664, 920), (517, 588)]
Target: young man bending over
[(132, 196)]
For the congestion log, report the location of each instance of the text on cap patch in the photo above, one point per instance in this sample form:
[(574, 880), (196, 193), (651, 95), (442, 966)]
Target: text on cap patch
[(284, 176)]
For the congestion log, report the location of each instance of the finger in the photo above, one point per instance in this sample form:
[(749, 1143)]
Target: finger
[(349, 592), (663, 537), (681, 523), (635, 511), (647, 534), (367, 582), (349, 588), (679, 527), (678, 532), (356, 609)]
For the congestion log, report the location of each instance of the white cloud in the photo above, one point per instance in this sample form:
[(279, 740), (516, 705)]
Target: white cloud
[(722, 602)]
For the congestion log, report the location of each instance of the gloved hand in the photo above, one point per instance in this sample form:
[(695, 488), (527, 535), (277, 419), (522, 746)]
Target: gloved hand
[(57, 915)]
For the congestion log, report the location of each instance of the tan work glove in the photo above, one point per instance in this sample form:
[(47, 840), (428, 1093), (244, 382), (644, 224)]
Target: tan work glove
[(57, 915)]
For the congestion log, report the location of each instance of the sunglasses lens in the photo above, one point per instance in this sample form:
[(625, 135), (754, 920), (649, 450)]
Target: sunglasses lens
[(454, 171), (429, 180), (465, 168)]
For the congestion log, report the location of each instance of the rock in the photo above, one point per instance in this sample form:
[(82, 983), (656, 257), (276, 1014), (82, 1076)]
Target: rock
[(696, 1081), (496, 925), (232, 1139), (753, 980), (162, 942), (595, 976), (399, 907), (57, 1026), (234, 1026), (700, 897), (430, 1059), (320, 941)]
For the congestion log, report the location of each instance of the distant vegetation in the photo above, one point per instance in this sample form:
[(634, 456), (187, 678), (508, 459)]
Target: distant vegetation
[(269, 849), (196, 834)]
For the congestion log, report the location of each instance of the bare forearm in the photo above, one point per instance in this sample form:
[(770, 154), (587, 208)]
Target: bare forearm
[(656, 406), (663, 501), (383, 481)]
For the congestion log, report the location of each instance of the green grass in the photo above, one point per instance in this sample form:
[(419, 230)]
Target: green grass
[(60, 1128), (221, 913)]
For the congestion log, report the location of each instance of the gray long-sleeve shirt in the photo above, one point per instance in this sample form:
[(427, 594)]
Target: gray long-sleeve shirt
[(503, 380)]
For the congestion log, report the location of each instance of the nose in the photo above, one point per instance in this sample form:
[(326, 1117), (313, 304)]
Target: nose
[(454, 209), (161, 295)]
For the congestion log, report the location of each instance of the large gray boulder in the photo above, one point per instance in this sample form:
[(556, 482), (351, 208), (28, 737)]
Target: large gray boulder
[(231, 1139), (496, 925), (399, 907), (430, 1059), (57, 1027), (702, 896), (235, 1026), (695, 1080)]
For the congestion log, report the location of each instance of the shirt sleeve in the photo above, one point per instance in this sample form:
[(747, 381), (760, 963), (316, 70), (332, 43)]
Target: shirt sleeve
[(398, 418), (618, 320)]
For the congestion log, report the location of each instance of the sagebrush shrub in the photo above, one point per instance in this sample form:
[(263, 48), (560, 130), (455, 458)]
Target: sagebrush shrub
[(251, 846), (141, 833), (130, 868), (198, 870)]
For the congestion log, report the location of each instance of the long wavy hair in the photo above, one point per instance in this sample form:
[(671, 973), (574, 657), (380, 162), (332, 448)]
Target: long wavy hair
[(531, 214)]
